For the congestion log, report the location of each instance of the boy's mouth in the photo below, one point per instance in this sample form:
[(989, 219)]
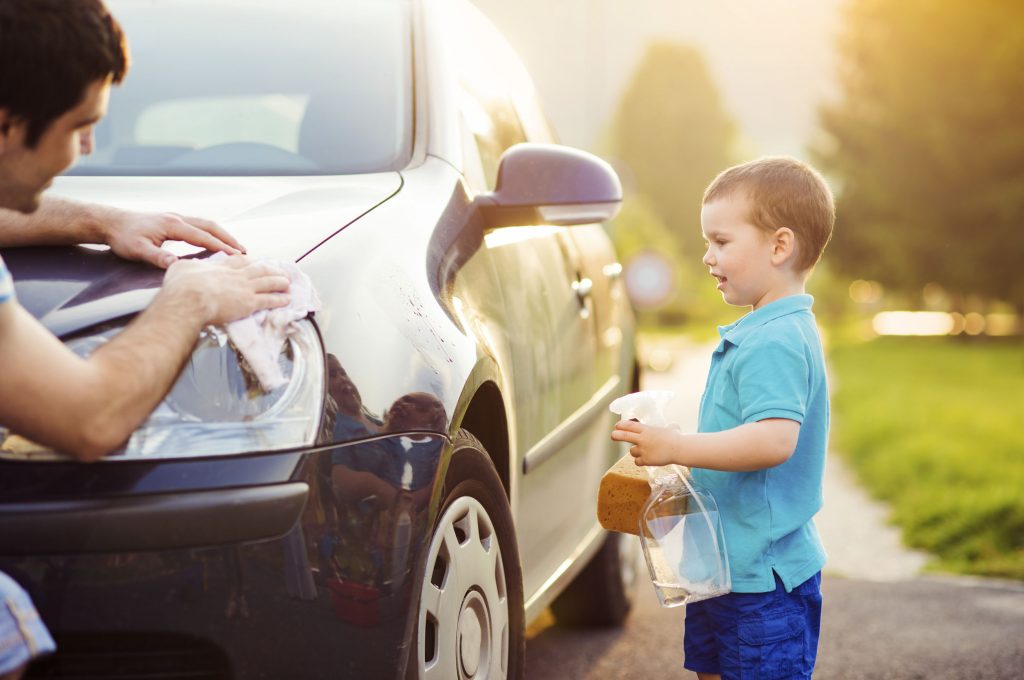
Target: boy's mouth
[(721, 280)]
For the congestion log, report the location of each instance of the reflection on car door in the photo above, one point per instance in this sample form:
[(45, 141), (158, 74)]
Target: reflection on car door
[(559, 444), (552, 346)]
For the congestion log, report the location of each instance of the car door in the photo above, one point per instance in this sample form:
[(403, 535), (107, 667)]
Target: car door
[(560, 449)]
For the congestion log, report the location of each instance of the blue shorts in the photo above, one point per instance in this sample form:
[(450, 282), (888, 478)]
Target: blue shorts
[(22, 633), (755, 636)]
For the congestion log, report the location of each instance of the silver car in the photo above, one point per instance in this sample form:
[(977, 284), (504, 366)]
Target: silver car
[(425, 484)]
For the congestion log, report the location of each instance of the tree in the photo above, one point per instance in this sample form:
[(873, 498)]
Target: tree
[(927, 145), (671, 136)]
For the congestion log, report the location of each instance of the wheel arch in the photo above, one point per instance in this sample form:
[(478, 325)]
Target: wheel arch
[(482, 412)]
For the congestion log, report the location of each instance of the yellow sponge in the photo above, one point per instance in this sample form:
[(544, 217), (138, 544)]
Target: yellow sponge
[(622, 495)]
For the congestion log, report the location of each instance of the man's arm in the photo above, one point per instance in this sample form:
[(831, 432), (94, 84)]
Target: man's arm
[(752, 446), (86, 407), (131, 235)]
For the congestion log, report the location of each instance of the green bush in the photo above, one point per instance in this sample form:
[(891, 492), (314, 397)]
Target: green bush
[(935, 427)]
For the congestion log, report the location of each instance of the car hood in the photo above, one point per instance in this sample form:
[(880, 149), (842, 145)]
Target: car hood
[(280, 217)]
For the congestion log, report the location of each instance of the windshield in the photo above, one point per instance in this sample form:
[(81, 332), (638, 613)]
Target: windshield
[(259, 87)]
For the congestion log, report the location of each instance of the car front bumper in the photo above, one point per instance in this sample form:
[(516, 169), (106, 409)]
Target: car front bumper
[(280, 565)]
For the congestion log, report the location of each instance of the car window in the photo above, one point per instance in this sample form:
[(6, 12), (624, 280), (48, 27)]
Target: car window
[(497, 99), (204, 121), (259, 88)]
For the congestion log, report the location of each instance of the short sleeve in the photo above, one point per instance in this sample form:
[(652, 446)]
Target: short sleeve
[(6, 283), (772, 381)]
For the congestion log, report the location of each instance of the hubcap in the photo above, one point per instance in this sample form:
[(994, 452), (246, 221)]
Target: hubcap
[(472, 633), (464, 620)]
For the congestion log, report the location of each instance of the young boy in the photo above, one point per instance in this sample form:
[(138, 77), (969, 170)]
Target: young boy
[(763, 426)]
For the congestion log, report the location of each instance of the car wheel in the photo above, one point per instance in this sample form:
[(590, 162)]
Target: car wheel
[(470, 615), (603, 593)]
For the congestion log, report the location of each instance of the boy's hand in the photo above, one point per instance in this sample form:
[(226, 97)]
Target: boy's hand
[(651, 445)]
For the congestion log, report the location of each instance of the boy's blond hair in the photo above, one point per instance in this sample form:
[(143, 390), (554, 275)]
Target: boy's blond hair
[(783, 192)]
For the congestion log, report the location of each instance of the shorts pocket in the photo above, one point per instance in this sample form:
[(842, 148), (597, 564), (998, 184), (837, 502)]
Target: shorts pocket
[(772, 646)]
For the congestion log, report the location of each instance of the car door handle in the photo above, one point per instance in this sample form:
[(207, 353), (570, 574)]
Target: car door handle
[(583, 288)]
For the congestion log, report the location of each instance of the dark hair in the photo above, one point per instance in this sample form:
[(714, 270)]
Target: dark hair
[(50, 52)]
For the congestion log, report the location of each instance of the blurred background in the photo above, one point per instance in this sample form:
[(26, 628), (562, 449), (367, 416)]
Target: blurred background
[(914, 112)]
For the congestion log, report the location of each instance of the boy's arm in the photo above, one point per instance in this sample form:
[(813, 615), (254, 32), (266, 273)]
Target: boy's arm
[(131, 235), (751, 446)]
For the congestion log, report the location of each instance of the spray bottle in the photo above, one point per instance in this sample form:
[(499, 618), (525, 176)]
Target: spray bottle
[(680, 530)]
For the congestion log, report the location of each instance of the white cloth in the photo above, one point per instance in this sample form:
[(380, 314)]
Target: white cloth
[(259, 337)]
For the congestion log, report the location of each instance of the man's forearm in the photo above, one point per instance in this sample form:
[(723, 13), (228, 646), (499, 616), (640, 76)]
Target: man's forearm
[(58, 221), (138, 367), (88, 407)]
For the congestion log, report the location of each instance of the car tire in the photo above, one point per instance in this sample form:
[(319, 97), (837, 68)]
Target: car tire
[(603, 593), (470, 617)]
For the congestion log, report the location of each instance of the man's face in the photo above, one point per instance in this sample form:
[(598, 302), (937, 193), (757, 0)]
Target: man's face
[(25, 172)]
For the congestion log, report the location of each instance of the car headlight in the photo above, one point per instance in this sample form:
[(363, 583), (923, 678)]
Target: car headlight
[(217, 406)]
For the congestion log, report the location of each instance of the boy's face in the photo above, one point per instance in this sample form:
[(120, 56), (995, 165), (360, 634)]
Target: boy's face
[(739, 254), (25, 172)]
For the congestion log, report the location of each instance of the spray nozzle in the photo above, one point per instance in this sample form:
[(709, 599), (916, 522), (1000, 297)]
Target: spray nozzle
[(648, 406)]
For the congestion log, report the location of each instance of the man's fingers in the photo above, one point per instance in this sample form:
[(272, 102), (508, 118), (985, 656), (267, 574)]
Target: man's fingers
[(234, 262), (154, 255), (183, 231), (215, 230), (273, 300), (257, 270), (271, 284)]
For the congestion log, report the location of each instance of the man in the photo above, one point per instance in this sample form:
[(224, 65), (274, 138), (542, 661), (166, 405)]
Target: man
[(58, 60)]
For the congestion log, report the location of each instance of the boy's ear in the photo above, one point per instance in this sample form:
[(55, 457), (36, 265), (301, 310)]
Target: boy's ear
[(783, 244)]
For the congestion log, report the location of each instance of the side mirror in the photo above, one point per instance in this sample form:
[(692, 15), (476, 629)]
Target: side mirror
[(551, 184)]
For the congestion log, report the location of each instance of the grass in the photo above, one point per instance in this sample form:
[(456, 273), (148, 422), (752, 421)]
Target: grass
[(935, 427)]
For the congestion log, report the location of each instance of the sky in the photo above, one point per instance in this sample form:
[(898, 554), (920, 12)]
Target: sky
[(773, 60)]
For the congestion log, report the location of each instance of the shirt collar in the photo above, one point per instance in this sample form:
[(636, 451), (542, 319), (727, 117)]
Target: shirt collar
[(735, 332)]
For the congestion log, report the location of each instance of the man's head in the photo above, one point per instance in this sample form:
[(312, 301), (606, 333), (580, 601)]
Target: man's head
[(58, 59), (782, 193)]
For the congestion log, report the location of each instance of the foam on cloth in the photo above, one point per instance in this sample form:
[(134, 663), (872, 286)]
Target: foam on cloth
[(259, 337)]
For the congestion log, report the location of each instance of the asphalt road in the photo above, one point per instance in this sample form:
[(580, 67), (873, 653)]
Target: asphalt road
[(929, 627)]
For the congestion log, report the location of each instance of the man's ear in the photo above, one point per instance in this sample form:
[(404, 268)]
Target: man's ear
[(5, 128), (10, 127), (783, 243)]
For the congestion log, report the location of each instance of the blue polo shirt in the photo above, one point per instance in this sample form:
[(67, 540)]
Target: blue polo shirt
[(770, 364), (6, 284)]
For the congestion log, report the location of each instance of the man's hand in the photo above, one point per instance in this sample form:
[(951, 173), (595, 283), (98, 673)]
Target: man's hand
[(138, 236), (227, 290), (131, 235), (651, 445)]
